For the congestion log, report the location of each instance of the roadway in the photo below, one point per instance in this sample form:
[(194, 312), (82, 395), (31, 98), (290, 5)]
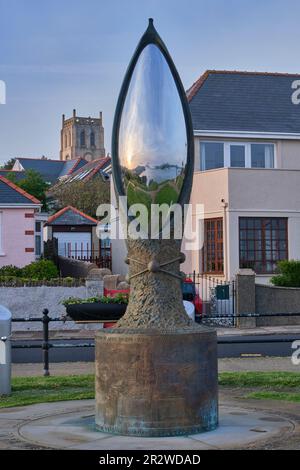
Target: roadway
[(230, 347)]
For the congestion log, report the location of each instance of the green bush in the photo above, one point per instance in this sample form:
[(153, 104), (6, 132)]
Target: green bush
[(11, 271), (288, 274), (40, 270)]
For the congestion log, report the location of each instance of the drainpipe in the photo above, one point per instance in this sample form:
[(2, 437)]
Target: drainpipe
[(225, 206)]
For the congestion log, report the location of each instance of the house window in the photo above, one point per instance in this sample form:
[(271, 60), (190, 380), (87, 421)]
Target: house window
[(92, 138), (212, 155), (262, 156), (236, 155), (82, 139), (213, 246), (263, 242), (38, 241)]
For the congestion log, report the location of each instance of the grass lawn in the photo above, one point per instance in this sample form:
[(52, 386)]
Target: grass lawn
[(284, 386), (30, 390), (266, 380)]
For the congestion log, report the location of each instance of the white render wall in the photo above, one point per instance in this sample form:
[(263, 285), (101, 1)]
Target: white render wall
[(30, 302), (247, 193)]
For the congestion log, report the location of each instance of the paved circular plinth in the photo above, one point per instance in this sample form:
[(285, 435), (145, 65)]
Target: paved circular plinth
[(70, 425)]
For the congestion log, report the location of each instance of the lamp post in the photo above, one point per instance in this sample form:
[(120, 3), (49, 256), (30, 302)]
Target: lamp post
[(156, 371)]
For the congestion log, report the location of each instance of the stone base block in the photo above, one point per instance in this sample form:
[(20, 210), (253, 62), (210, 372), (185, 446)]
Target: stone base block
[(156, 384)]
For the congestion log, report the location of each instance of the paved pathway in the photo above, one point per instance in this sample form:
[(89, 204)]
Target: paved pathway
[(244, 424)]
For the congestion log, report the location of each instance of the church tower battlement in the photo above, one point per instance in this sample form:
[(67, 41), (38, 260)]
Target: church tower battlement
[(82, 137)]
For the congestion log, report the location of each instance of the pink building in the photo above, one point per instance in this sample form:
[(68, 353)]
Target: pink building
[(18, 212)]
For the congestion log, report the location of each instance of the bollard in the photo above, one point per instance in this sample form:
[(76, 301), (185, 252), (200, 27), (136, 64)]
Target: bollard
[(5, 351), (45, 345)]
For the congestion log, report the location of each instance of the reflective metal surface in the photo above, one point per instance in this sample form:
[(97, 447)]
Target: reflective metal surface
[(152, 136)]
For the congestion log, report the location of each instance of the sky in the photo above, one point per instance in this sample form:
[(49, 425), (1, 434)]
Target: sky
[(63, 54)]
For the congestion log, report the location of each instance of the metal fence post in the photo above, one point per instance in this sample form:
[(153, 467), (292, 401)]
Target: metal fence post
[(5, 351), (45, 345)]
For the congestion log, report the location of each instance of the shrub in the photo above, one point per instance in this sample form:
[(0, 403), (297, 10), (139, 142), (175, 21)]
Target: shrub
[(41, 269), (11, 271), (288, 274)]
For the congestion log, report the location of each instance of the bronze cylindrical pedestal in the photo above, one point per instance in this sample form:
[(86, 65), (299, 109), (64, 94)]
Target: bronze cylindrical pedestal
[(152, 383)]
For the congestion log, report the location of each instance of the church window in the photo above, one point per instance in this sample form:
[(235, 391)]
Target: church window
[(82, 139), (92, 139)]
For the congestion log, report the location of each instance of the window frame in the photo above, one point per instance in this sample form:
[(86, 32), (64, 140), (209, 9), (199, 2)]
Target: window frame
[(205, 247), (262, 143), (247, 146), (263, 249), (227, 156), (212, 142)]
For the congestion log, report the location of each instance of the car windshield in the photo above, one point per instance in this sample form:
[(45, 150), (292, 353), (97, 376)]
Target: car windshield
[(188, 288)]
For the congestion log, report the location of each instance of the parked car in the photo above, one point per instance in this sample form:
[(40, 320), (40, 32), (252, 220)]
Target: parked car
[(190, 293)]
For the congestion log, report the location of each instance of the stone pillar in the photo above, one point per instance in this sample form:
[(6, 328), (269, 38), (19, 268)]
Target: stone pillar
[(94, 283), (245, 297)]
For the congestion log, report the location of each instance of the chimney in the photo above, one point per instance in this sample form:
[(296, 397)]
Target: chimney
[(74, 112), (63, 120), (100, 116)]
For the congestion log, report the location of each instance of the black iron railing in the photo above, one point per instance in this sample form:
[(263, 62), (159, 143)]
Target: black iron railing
[(46, 345)]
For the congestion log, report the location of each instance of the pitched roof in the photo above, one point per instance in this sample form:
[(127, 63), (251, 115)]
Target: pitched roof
[(71, 165), (19, 175), (71, 216), (51, 170), (12, 194), (90, 169), (244, 101), (48, 169)]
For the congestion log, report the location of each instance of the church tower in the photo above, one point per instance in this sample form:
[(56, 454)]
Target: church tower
[(82, 137)]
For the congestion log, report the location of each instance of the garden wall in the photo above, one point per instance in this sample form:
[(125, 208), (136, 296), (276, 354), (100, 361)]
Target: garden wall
[(30, 302), (263, 299), (271, 299), (74, 267)]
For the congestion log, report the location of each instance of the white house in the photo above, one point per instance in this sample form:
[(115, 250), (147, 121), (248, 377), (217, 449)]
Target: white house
[(247, 173)]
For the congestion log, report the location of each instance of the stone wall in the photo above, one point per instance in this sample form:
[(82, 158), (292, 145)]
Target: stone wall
[(264, 299), (271, 299), (74, 267), (30, 302)]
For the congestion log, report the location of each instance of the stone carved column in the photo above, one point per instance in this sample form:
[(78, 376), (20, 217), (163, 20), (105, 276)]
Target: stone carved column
[(155, 286)]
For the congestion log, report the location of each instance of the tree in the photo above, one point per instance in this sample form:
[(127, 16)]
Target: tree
[(84, 195), (33, 184), (9, 164)]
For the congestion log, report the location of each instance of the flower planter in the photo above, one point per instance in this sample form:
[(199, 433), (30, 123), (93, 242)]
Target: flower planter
[(96, 311)]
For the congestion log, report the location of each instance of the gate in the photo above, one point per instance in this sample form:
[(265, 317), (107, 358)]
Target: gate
[(218, 298)]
